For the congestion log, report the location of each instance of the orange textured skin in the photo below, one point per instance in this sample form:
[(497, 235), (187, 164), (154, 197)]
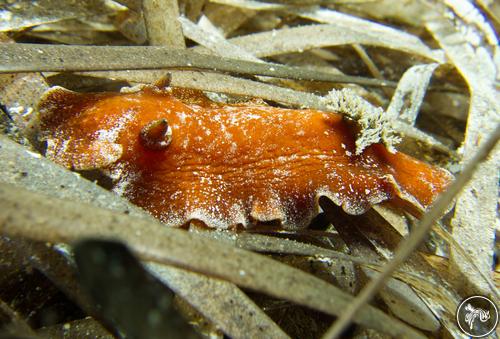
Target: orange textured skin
[(229, 165)]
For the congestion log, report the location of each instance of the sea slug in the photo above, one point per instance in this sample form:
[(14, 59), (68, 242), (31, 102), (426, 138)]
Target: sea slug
[(183, 157)]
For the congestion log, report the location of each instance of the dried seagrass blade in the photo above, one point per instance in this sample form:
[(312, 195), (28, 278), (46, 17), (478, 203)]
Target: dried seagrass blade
[(27, 213), (127, 295), (37, 57)]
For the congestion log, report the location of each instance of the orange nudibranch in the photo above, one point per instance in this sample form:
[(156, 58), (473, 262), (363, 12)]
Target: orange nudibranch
[(183, 157)]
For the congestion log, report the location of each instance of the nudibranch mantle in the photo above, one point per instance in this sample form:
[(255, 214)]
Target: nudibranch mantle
[(228, 164)]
